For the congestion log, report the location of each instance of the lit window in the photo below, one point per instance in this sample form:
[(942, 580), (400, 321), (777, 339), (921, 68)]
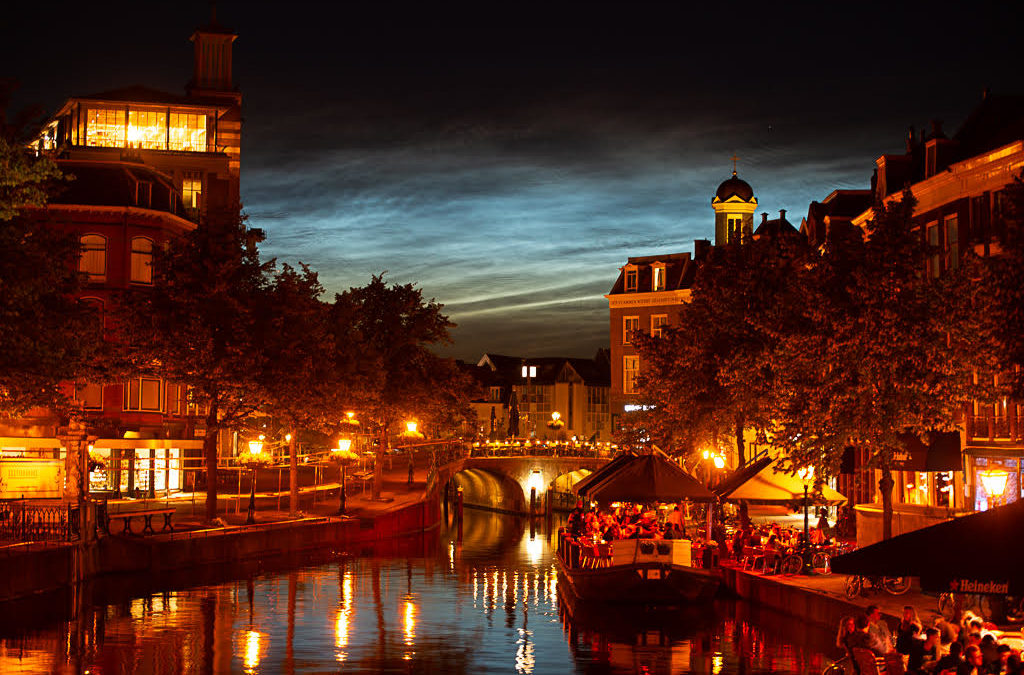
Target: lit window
[(187, 132), (105, 128), (952, 242), (658, 323), (630, 369), (147, 129), (192, 191), (630, 279), (629, 325), (93, 262), (142, 394), (91, 395), (658, 278), (142, 260)]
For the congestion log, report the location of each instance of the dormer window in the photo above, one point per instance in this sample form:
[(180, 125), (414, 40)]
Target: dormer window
[(631, 275), (658, 277)]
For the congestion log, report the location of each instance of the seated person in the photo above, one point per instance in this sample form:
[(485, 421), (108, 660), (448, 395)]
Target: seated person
[(950, 661), (859, 638)]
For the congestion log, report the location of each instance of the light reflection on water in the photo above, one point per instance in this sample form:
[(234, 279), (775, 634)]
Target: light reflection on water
[(489, 604)]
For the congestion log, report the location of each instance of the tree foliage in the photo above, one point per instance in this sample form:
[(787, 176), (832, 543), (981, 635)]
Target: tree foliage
[(202, 324), (48, 338)]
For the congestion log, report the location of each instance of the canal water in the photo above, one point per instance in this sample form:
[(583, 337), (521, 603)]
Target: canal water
[(490, 604)]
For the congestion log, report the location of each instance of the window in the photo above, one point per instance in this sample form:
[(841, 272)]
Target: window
[(658, 278), (187, 132), (93, 262), (658, 323), (142, 260), (142, 394), (192, 192), (147, 129), (630, 279), (629, 325), (934, 250), (105, 128), (91, 395), (952, 242), (734, 232), (495, 394), (144, 194), (630, 369)]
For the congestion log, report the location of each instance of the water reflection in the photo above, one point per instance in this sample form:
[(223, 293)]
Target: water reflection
[(488, 604)]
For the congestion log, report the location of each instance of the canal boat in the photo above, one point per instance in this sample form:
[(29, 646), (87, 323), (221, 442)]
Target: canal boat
[(635, 571)]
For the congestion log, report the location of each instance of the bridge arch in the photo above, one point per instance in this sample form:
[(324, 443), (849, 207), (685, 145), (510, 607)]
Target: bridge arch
[(490, 489)]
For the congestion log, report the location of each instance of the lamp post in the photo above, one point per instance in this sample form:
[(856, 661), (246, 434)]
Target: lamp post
[(994, 481), (341, 455), (529, 372), (806, 475), (253, 460)]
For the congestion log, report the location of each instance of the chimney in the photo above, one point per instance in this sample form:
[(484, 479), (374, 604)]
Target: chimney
[(764, 217), (782, 214), (701, 248), (910, 139)]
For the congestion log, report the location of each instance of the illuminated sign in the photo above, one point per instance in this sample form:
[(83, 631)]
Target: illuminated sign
[(982, 587)]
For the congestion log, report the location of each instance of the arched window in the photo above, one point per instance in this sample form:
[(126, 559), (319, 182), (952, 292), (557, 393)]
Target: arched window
[(94, 257), (142, 260)]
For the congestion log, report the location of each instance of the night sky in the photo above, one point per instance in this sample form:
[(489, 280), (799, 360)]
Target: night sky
[(506, 157)]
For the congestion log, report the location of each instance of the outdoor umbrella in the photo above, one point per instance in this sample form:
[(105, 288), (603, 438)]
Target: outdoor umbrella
[(768, 486), (584, 484), (979, 553), (741, 475), (649, 478), (513, 414)]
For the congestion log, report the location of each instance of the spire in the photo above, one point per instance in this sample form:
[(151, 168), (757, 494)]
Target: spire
[(734, 159)]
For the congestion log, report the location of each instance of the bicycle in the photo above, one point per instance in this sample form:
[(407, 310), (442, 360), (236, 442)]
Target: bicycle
[(857, 585), (794, 561)]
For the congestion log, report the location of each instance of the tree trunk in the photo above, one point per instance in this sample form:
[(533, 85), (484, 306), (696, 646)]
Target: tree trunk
[(210, 455), (885, 486), (740, 441), (378, 464), (293, 474)]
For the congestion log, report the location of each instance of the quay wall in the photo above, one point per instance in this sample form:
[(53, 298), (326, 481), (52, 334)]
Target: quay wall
[(48, 569), (807, 604)]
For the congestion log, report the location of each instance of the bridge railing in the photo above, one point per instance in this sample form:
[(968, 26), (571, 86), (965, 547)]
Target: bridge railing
[(543, 450)]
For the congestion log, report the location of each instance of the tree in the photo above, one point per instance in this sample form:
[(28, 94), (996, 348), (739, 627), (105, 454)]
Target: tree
[(392, 328), (710, 377), (890, 350), (302, 379), (202, 324), (48, 337)]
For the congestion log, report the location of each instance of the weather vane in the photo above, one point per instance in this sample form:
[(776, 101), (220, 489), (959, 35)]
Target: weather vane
[(734, 159)]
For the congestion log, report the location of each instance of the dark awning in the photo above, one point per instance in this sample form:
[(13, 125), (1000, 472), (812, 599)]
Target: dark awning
[(584, 484), (942, 453), (979, 553), (649, 478)]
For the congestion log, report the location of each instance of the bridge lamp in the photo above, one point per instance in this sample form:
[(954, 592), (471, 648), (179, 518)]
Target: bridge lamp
[(719, 462), (256, 445)]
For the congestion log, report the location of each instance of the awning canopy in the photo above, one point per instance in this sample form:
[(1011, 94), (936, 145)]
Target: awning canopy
[(584, 484), (979, 553), (768, 486), (942, 453), (649, 478), (742, 475)]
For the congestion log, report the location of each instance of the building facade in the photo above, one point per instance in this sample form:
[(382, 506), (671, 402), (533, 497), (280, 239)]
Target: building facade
[(147, 166)]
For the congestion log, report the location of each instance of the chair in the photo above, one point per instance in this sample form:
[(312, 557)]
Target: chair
[(603, 555), (894, 664), (865, 661)]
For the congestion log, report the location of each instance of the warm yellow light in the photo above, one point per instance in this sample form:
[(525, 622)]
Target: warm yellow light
[(288, 438), (555, 416), (252, 651), (344, 444), (806, 473), (719, 461), (256, 446), (410, 427), (994, 481), (706, 454)]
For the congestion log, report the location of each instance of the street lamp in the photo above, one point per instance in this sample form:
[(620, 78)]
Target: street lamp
[(341, 456), (994, 481), (806, 474), (253, 460), (529, 372)]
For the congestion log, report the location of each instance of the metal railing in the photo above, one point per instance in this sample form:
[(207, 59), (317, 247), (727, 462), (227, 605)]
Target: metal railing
[(23, 521)]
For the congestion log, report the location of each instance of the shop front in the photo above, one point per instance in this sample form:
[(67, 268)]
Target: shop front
[(31, 468), (139, 467)]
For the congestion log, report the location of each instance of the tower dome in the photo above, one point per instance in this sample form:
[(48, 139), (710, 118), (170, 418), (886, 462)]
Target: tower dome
[(734, 187)]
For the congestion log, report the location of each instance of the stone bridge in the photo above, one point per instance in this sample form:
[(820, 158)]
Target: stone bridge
[(505, 483)]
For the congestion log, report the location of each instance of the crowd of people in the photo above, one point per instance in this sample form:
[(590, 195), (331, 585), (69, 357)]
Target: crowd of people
[(968, 647), (625, 522)]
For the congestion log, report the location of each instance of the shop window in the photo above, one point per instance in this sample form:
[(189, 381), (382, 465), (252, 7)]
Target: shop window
[(147, 129), (142, 260), (105, 128), (943, 495)]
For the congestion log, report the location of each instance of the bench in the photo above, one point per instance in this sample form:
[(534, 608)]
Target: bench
[(147, 515), (363, 477)]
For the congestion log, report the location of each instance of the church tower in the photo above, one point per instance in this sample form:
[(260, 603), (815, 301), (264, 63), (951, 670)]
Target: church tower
[(734, 204)]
